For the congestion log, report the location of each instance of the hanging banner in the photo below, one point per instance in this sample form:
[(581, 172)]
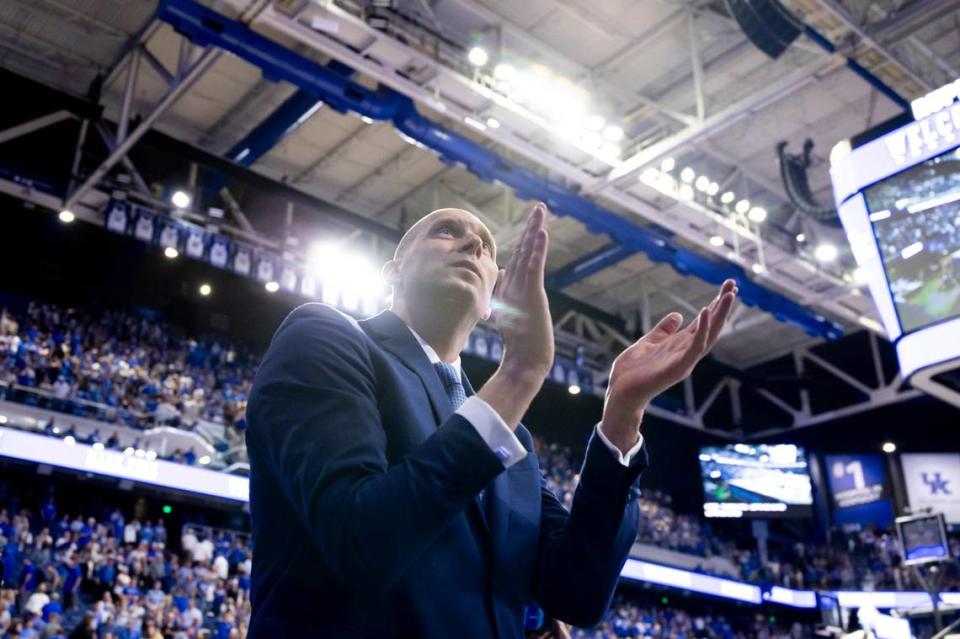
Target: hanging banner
[(858, 489), (195, 244), (118, 213), (145, 225), (933, 481), (219, 251), (169, 235)]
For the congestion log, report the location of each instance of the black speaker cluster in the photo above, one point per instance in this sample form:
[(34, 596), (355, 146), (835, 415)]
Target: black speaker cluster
[(768, 25)]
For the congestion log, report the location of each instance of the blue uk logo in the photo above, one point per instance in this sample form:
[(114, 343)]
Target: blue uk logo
[(936, 483)]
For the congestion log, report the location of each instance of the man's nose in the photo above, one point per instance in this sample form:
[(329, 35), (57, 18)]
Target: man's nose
[(474, 245)]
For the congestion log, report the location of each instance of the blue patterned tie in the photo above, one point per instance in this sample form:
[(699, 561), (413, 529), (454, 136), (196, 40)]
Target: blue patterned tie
[(457, 395), (451, 382)]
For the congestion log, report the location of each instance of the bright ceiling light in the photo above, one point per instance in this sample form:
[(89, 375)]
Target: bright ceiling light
[(170, 252), (859, 275), (474, 123), (360, 283), (493, 123), (67, 216), (742, 206), (594, 123), (716, 240), (593, 139), (504, 72), (180, 199), (573, 389), (727, 197), (668, 165), (826, 253), (758, 268), (889, 447), (687, 175), (757, 214), (801, 237), (613, 133), (650, 176), (685, 192), (478, 56), (271, 286), (205, 289), (702, 183), (325, 258), (713, 189), (610, 150), (204, 460)]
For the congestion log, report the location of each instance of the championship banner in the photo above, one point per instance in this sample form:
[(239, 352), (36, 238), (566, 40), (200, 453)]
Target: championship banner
[(858, 489), (219, 251), (118, 213), (145, 225), (933, 481)]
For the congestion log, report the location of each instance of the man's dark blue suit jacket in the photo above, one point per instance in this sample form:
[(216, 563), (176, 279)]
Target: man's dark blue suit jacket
[(362, 494)]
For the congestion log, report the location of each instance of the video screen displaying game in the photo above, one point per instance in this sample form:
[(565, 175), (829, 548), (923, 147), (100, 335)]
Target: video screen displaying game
[(923, 538), (746, 480), (916, 220)]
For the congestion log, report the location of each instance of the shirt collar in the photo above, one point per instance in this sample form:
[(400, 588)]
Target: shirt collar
[(432, 354)]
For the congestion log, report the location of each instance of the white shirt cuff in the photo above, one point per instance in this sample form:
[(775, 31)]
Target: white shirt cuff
[(624, 459), (493, 430)]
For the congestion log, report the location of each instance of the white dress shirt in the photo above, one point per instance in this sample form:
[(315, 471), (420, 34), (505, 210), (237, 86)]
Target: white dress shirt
[(493, 430)]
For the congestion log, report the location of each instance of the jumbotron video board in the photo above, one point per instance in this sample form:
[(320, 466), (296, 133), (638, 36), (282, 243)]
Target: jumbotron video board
[(755, 481), (898, 196)]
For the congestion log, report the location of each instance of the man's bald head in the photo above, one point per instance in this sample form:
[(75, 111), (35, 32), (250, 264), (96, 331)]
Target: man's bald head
[(421, 226)]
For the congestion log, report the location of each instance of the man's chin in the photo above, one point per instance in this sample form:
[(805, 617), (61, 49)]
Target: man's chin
[(455, 293)]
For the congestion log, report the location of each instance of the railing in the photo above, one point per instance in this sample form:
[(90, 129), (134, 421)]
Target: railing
[(215, 434), (48, 400)]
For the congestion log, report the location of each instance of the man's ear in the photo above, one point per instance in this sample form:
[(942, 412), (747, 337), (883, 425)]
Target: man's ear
[(391, 272)]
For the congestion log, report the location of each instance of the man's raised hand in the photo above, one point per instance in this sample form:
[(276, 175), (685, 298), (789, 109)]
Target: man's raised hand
[(658, 360), (520, 307)]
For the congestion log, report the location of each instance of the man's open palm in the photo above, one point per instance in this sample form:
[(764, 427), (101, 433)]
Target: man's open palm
[(666, 355)]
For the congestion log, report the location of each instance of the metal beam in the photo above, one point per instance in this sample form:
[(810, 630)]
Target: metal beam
[(133, 68), (284, 120), (35, 124), (127, 163), (587, 265), (173, 94), (155, 64), (696, 64)]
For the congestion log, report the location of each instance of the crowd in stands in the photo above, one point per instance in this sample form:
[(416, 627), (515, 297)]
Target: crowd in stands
[(628, 619), (136, 369), (110, 577), (116, 578)]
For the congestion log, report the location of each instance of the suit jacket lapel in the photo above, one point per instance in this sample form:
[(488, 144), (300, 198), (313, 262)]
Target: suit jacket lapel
[(396, 337)]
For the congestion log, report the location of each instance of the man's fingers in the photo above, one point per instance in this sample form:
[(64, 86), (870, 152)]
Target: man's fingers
[(538, 258), (528, 244), (720, 315), (701, 334), (667, 326), (727, 287)]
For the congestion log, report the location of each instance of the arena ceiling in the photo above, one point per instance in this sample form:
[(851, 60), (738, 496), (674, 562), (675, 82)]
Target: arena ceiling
[(679, 79)]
